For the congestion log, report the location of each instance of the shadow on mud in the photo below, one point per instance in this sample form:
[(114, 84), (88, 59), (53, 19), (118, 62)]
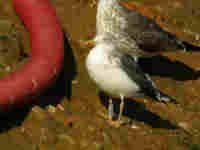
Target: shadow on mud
[(136, 111), (52, 96), (164, 67)]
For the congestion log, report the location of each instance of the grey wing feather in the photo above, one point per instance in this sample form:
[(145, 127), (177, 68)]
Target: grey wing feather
[(129, 65), (148, 34)]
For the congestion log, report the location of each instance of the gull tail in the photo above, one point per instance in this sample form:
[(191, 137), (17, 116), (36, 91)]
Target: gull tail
[(152, 91), (180, 44), (164, 98), (189, 47)]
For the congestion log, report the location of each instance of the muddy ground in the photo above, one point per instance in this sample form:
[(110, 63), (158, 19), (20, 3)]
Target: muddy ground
[(72, 114)]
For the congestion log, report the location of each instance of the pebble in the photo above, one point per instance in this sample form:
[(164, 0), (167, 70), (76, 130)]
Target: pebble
[(8, 68), (197, 37), (133, 126), (39, 113), (51, 109), (67, 138), (75, 82), (93, 3), (60, 107), (183, 125)]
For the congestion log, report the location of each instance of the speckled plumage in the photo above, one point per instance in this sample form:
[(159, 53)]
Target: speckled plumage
[(112, 17), (121, 42)]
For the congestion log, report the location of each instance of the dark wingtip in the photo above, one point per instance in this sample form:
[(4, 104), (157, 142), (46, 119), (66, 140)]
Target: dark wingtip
[(180, 44), (171, 100), (189, 47), (164, 98)]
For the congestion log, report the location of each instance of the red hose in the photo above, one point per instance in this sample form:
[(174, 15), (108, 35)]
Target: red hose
[(46, 56)]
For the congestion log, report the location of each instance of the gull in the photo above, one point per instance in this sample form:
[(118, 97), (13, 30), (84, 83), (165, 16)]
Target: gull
[(113, 66), (123, 36)]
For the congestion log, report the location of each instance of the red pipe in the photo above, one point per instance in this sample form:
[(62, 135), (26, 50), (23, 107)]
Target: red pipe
[(46, 57)]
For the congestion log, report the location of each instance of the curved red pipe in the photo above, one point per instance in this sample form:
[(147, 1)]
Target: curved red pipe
[(46, 56)]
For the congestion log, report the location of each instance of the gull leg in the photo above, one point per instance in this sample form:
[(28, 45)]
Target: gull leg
[(121, 107), (118, 122), (110, 110)]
